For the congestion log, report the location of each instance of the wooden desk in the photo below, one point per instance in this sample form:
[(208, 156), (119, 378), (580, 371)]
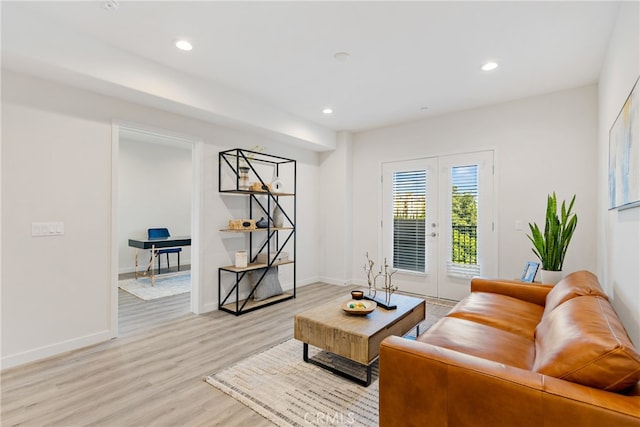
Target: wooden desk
[(154, 245)]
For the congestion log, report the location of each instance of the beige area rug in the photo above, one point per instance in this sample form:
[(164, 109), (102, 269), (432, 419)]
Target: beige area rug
[(281, 387), (165, 286)]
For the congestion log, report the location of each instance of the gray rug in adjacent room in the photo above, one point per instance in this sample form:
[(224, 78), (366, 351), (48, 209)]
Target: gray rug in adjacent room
[(166, 285), (284, 389)]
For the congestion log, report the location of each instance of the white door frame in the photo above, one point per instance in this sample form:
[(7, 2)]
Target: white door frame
[(421, 283), (456, 288), (197, 156), (489, 262)]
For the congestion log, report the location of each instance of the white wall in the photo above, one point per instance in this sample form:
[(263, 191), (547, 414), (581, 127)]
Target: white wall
[(154, 190), (337, 213), (542, 144), (56, 166), (619, 231)]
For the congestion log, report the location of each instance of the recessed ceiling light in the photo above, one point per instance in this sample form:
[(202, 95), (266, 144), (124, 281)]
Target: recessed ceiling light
[(490, 66), (110, 5), (183, 45), (342, 56), (327, 111)]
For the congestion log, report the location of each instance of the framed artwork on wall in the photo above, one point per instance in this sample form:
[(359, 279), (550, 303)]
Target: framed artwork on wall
[(624, 155)]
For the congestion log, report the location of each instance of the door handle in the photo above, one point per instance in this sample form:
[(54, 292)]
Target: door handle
[(434, 234)]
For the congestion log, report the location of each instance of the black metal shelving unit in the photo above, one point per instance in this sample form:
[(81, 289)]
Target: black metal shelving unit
[(244, 173)]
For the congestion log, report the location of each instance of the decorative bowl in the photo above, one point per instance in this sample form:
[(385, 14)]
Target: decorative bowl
[(357, 294), (359, 307)]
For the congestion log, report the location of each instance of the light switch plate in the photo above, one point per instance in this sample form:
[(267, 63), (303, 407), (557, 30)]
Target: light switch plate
[(42, 229)]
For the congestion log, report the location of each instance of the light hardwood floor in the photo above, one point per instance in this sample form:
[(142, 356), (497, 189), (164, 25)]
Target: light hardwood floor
[(152, 375)]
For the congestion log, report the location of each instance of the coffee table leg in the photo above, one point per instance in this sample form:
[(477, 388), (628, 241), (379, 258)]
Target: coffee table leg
[(366, 383), (305, 352)]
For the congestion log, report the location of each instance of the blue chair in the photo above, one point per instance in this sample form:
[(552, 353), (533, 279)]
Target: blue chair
[(158, 233)]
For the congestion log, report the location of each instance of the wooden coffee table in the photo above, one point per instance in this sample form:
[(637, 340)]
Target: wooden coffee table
[(355, 337)]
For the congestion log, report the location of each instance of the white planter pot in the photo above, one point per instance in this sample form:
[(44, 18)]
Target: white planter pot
[(551, 277)]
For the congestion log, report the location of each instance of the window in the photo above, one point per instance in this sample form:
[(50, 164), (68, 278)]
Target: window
[(409, 214), (463, 234)]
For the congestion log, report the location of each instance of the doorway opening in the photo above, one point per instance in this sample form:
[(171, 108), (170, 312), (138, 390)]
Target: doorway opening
[(156, 184)]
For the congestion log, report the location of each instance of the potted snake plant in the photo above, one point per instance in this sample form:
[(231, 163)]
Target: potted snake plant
[(551, 246)]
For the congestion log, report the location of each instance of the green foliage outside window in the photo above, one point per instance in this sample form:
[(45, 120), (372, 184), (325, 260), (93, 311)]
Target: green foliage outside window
[(464, 224)]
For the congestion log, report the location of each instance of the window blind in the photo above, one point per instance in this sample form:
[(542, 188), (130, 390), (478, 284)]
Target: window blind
[(409, 215)]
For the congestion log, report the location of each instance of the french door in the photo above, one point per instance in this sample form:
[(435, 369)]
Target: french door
[(437, 223)]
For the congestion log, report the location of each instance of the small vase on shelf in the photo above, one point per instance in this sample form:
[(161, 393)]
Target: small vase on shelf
[(243, 183), (278, 217)]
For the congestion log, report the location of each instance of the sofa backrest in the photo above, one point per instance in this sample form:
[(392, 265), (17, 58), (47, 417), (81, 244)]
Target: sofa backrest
[(583, 341), (580, 283)]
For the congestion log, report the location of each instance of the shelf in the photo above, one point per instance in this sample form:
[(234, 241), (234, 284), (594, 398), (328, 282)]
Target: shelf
[(254, 266), (246, 192), (254, 305), (250, 230), (238, 172)]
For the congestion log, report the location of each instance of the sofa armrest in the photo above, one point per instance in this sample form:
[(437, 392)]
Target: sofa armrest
[(422, 384), (531, 292), (586, 406)]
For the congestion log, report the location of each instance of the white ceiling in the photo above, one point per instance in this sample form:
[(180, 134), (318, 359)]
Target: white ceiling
[(404, 55)]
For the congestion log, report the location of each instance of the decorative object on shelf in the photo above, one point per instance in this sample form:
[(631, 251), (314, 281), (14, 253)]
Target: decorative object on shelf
[(359, 307), (551, 247), (263, 223), (624, 154), (257, 149), (276, 184), (243, 179), (530, 270), (387, 287), (250, 154), (258, 186), (241, 259), (242, 224), (278, 217), (268, 287)]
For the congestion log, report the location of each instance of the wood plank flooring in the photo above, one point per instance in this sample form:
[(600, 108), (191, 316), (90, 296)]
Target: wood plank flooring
[(152, 375)]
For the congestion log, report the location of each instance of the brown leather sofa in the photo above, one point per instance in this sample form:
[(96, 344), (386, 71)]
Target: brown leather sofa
[(515, 354)]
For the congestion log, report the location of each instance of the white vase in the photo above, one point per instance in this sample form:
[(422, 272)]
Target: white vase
[(278, 217), (550, 277)]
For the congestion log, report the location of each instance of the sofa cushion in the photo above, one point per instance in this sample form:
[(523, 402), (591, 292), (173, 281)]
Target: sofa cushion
[(584, 342), (482, 341), (576, 284), (500, 311)]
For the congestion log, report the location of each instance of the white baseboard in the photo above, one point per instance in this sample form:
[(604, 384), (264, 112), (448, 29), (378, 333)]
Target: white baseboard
[(18, 359), (334, 281), (209, 307)]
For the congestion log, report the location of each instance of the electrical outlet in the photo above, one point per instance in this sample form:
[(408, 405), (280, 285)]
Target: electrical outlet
[(518, 225)]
